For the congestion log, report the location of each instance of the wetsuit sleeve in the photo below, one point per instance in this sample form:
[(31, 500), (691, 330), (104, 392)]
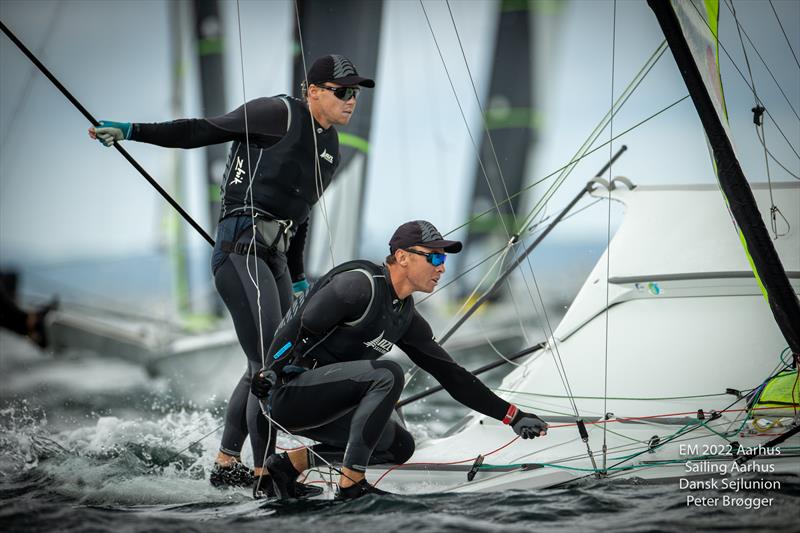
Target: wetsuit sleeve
[(294, 255), (420, 346), (344, 299), (267, 120)]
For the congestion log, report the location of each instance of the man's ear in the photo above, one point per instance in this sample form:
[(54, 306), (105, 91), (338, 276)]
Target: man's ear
[(401, 256)]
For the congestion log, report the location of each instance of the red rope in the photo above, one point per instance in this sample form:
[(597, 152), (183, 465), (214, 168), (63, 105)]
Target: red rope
[(448, 463), (395, 467)]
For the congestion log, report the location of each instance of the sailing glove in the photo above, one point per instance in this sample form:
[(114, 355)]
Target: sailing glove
[(299, 287), (262, 383), (526, 425), (110, 132)]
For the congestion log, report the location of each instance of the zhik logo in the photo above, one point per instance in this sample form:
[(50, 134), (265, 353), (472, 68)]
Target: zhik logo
[(379, 344), (326, 156), (237, 179)]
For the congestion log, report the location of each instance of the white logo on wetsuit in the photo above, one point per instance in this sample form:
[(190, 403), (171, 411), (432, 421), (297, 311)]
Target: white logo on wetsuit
[(237, 179), (379, 344), (326, 156)]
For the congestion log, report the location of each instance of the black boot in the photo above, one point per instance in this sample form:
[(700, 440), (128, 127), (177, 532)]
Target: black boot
[(263, 488), (362, 488), (232, 475), (284, 477)]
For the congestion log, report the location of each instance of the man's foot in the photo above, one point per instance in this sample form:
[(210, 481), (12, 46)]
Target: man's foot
[(263, 488), (284, 477), (362, 488), (232, 475)]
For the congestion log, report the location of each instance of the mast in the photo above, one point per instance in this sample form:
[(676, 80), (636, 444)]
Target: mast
[(350, 28), (691, 29)]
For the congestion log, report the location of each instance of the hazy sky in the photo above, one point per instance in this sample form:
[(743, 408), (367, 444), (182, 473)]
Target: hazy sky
[(63, 196)]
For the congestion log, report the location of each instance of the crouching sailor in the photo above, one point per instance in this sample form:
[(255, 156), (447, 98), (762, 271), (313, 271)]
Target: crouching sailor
[(327, 382)]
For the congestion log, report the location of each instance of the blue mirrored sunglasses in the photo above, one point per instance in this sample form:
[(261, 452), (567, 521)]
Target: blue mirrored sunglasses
[(434, 258)]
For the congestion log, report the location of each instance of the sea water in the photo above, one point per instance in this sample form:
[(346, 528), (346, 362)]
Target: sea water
[(88, 443)]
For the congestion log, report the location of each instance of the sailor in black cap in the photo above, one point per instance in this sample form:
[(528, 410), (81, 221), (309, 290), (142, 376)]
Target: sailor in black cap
[(270, 177), (328, 383)]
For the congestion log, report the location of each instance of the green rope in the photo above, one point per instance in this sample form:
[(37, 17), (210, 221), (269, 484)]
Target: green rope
[(613, 397)]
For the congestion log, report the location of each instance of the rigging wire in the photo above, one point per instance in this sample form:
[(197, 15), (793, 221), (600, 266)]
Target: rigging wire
[(574, 160), (788, 42), (532, 231), (27, 90), (730, 58), (758, 122), (464, 117), (483, 121), (253, 245), (253, 242), (512, 239), (317, 170), (497, 164), (608, 230), (741, 30), (621, 100)]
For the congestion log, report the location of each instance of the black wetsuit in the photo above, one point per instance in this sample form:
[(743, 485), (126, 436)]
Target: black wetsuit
[(345, 400), (277, 167)]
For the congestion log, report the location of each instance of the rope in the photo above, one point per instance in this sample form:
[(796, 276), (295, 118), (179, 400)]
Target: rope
[(608, 234), (741, 30), (759, 126), (317, 170), (572, 161), (721, 45), (485, 127), (788, 42)]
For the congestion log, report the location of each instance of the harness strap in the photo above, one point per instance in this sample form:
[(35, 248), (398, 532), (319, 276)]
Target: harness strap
[(242, 246)]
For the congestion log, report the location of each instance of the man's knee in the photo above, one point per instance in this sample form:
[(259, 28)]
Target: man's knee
[(395, 375), (403, 446)]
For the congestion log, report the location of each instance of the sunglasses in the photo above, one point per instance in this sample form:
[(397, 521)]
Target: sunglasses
[(434, 258), (342, 93)]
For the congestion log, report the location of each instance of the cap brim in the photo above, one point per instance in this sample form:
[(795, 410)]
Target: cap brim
[(451, 247), (355, 80)]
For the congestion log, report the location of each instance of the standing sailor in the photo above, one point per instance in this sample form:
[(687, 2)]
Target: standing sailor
[(290, 147), (327, 381)]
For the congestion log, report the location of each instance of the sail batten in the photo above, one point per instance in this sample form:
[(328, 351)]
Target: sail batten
[(690, 27)]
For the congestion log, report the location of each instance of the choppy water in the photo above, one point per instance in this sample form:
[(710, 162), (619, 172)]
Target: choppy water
[(92, 444)]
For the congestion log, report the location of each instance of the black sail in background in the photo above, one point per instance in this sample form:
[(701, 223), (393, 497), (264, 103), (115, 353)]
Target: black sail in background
[(209, 39), (509, 117), (350, 28), (691, 31)]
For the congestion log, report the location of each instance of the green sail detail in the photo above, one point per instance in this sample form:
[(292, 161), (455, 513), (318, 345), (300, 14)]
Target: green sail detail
[(354, 141), (210, 46), (513, 117)]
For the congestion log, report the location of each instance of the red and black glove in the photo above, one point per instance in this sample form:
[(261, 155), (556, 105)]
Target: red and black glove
[(526, 425)]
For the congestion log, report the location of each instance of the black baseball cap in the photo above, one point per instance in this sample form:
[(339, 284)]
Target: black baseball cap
[(421, 232), (338, 69)]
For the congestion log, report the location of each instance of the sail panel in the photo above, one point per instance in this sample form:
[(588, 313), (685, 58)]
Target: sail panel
[(690, 27)]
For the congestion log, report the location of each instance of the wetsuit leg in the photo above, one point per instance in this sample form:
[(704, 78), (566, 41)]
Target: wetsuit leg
[(240, 295), (395, 445), (319, 404)]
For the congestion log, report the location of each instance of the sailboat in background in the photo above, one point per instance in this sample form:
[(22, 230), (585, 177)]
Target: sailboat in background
[(196, 342)]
